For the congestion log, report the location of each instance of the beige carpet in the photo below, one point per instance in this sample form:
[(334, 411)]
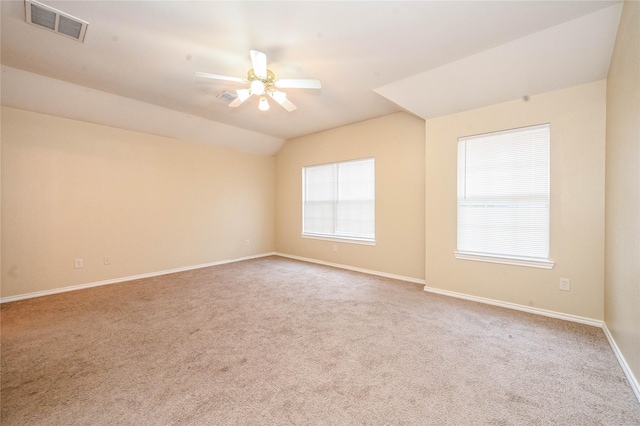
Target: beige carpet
[(273, 341)]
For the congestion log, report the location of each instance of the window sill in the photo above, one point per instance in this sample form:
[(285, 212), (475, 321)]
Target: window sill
[(340, 239), (543, 264)]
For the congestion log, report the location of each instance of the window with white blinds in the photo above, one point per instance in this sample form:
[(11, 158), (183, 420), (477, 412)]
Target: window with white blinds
[(339, 200), (503, 195)]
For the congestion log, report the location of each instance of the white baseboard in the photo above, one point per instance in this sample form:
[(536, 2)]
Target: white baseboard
[(517, 307), (124, 279), (353, 268), (633, 382)]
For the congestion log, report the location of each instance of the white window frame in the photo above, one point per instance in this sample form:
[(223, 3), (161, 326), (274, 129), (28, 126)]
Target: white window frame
[(336, 235), (466, 252)]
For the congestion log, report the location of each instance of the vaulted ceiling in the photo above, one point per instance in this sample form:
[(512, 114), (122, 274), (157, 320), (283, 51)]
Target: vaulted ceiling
[(135, 68)]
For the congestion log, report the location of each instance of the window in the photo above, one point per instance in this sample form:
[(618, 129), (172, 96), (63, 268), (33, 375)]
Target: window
[(339, 200), (503, 197)]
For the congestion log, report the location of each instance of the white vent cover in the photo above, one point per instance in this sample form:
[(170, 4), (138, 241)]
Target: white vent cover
[(52, 19)]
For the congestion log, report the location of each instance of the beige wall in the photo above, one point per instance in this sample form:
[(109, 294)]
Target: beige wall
[(397, 143), (577, 117), (77, 190), (622, 289)]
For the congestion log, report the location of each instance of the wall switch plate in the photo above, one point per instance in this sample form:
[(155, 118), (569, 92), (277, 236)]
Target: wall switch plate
[(565, 284), (335, 247), (246, 242), (78, 263)]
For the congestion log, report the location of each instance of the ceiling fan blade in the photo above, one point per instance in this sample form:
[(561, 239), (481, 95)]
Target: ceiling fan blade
[(243, 95), (236, 103), (281, 98), (288, 105), (221, 77), (300, 83), (259, 62)]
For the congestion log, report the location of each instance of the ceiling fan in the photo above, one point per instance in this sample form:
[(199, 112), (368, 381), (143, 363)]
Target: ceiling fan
[(262, 83)]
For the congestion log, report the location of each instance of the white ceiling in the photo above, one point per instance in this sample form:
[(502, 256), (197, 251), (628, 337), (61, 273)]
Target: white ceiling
[(135, 69)]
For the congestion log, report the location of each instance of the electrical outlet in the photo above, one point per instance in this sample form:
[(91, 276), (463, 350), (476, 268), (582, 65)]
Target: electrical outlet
[(107, 261), (78, 263), (335, 247), (565, 284)]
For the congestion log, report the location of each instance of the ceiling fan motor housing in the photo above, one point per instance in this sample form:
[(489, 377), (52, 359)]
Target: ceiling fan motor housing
[(268, 81)]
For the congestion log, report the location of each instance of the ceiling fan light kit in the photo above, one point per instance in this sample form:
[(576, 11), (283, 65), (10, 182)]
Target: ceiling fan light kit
[(262, 83), (263, 105)]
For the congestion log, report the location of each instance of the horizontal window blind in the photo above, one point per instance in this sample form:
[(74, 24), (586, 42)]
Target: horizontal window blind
[(339, 200), (503, 193)]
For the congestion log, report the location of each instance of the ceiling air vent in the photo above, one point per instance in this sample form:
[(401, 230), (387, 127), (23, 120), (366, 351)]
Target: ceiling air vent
[(52, 19), (227, 96)]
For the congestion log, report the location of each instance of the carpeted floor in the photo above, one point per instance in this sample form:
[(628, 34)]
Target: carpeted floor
[(273, 341)]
